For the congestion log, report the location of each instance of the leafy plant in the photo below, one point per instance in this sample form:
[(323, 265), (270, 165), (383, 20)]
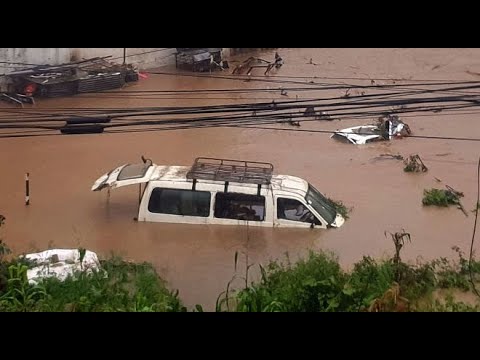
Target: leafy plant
[(20, 295), (439, 197), (119, 286), (399, 239), (4, 251), (450, 305), (314, 284)]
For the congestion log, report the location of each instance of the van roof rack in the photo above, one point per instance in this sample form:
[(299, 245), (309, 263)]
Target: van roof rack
[(251, 172)]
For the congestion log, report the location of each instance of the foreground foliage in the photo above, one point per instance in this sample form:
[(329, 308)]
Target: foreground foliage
[(316, 283)]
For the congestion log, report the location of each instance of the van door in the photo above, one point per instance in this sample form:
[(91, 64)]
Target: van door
[(292, 212), (128, 174)]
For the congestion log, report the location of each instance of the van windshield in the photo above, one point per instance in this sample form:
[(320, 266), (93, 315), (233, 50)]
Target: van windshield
[(321, 204)]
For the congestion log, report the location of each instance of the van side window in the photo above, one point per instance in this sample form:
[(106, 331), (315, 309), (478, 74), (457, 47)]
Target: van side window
[(239, 206), (180, 202), (294, 210)]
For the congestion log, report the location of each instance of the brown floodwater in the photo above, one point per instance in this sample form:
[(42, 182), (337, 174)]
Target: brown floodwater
[(199, 260)]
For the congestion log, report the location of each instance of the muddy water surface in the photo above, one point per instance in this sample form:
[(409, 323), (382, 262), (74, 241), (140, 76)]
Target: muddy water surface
[(198, 260)]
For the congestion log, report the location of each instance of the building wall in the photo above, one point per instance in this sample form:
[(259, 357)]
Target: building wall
[(13, 59), (146, 58), (31, 56)]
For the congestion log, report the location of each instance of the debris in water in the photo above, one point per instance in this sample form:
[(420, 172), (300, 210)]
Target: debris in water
[(290, 122), (18, 99), (200, 59), (392, 126), (387, 128), (443, 198), (414, 164), (254, 62), (388, 157), (309, 111), (278, 61), (91, 75), (324, 116)]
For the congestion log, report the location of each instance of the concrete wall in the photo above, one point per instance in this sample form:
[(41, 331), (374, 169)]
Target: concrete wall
[(11, 59), (147, 58), (31, 56), (144, 58)]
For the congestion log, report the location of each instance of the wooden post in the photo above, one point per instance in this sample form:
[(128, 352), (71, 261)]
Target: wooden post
[(27, 189)]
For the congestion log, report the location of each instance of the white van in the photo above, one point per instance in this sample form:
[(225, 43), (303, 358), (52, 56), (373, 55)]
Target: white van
[(226, 192)]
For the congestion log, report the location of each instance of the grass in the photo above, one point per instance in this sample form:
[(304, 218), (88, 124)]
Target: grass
[(4, 251), (309, 285), (120, 286), (117, 286), (318, 284)]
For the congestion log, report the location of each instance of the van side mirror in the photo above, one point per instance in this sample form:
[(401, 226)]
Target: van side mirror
[(312, 225)]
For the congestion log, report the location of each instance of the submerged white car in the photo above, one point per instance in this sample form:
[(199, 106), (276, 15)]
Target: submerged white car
[(359, 135), (387, 129), (225, 192)]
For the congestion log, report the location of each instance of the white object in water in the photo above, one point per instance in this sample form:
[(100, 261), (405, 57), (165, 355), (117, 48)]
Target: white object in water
[(60, 263)]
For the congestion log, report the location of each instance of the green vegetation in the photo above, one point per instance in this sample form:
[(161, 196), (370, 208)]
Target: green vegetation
[(118, 286), (316, 283), (4, 251), (121, 286), (440, 197)]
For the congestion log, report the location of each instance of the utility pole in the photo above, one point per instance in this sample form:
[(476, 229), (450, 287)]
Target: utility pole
[(124, 55)]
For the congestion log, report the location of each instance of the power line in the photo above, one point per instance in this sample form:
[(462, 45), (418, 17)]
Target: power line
[(18, 63), (352, 98), (179, 126), (371, 100), (143, 53), (336, 132), (247, 78), (344, 111)]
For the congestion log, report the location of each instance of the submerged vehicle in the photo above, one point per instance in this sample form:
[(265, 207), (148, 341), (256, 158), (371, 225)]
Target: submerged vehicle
[(224, 192), (387, 128)]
